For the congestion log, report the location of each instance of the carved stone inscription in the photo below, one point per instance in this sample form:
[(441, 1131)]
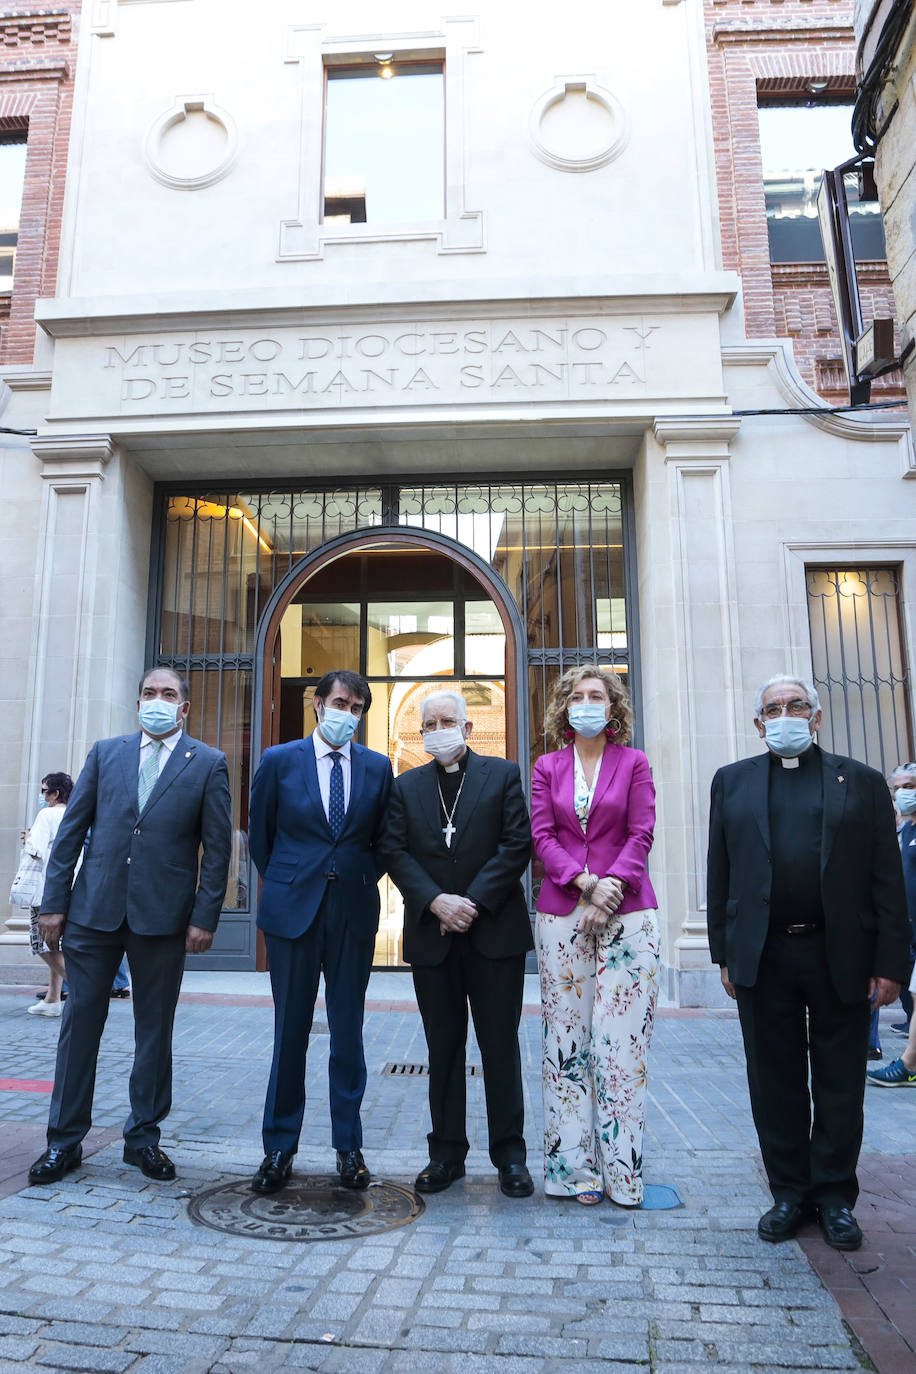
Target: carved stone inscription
[(364, 366)]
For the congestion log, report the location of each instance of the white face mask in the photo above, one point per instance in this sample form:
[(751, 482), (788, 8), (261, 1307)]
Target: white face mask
[(445, 745)]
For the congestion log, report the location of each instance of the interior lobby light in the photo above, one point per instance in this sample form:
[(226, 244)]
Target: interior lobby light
[(385, 69)]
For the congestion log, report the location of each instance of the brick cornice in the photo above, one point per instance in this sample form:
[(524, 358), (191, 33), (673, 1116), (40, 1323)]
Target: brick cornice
[(30, 71), (755, 36), (30, 27)]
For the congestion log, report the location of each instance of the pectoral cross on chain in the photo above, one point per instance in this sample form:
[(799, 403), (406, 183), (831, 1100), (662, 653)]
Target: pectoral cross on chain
[(449, 829)]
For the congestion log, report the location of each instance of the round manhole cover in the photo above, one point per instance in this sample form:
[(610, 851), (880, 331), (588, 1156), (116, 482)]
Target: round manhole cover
[(310, 1207)]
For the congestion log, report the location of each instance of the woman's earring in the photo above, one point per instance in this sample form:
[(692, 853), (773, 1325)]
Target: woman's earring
[(568, 733), (611, 728)]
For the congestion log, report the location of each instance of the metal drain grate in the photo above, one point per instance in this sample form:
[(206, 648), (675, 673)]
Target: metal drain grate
[(401, 1070)]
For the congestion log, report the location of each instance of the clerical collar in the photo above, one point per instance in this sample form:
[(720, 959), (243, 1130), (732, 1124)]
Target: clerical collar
[(458, 766), (802, 760)]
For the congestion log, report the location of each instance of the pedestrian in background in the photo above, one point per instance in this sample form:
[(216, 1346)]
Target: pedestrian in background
[(593, 817), (38, 841)]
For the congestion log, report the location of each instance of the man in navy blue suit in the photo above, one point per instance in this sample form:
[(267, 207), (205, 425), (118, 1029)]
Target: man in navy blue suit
[(317, 807)]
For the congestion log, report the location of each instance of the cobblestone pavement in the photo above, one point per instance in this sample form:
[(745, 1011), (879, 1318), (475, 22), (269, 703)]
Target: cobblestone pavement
[(106, 1271)]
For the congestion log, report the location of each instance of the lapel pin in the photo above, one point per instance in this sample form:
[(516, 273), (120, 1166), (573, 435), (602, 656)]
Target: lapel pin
[(840, 777), (188, 755)]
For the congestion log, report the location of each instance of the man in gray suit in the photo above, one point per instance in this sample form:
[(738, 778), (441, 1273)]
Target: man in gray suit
[(150, 803)]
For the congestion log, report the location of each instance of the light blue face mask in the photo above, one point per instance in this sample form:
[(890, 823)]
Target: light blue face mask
[(788, 736), (158, 717), (588, 718), (338, 726), (905, 800), (43, 801)]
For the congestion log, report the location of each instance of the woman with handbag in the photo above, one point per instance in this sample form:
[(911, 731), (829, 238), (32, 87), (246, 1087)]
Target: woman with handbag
[(592, 817), (55, 793)]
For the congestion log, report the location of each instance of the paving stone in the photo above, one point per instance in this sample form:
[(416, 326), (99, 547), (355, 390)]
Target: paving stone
[(83, 1357), (17, 1348), (85, 1333)]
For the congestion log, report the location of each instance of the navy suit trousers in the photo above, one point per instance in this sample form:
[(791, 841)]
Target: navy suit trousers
[(328, 947)]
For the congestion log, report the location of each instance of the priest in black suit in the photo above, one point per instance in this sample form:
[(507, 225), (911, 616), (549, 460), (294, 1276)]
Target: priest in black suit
[(456, 842), (807, 920)]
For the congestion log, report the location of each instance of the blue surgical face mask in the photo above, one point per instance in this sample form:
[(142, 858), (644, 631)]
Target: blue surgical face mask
[(158, 717), (338, 726), (43, 801), (905, 800), (588, 718), (788, 736)]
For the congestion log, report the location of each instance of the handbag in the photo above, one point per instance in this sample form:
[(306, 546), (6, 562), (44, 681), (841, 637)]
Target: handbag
[(28, 884)]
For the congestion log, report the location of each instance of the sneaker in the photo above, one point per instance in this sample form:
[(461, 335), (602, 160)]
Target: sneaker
[(46, 1009), (901, 1028), (874, 1053), (893, 1075)]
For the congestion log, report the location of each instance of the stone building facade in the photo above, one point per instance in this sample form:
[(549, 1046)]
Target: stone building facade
[(887, 61), (502, 406)]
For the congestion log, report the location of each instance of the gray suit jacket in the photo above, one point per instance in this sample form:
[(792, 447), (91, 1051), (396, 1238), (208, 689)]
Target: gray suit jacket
[(148, 868)]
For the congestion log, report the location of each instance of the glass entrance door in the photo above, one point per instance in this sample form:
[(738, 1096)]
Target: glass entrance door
[(411, 619)]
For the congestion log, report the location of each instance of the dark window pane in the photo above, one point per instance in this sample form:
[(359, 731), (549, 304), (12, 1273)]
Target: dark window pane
[(797, 143)]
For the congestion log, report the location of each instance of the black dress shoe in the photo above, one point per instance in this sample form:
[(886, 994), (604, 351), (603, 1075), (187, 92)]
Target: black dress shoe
[(438, 1175), (840, 1228), (783, 1221), (274, 1172), (515, 1181), (150, 1160), (352, 1169), (56, 1161)]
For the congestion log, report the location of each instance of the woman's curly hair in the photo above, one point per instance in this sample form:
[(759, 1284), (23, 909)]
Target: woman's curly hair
[(556, 722)]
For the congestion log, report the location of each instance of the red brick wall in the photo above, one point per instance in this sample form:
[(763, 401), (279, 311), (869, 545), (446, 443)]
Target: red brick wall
[(760, 48), (37, 60)]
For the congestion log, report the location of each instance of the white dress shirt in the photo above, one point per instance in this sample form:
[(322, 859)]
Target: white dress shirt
[(165, 753), (323, 752)]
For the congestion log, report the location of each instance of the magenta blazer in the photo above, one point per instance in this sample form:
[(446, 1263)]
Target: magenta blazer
[(618, 834)]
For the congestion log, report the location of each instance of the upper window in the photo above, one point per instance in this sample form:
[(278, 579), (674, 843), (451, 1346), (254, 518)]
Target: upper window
[(12, 179), (384, 143), (798, 142)]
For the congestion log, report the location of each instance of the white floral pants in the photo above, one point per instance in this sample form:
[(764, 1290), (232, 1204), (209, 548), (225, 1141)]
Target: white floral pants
[(598, 1004)]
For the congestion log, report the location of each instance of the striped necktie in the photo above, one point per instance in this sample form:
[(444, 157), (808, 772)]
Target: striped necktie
[(336, 797), (149, 774)]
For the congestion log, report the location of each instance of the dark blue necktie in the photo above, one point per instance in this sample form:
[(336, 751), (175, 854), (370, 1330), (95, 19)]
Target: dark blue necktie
[(336, 797)]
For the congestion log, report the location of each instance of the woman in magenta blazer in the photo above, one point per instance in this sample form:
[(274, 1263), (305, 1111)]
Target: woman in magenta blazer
[(592, 817)]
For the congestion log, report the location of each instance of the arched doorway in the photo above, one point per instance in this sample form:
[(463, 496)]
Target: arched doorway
[(412, 612)]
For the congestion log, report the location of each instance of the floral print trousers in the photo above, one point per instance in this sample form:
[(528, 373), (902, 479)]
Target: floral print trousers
[(598, 1004)]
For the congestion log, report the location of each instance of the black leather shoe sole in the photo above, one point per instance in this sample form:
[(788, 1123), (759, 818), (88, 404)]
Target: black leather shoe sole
[(264, 1183), (783, 1223), (843, 1234), (46, 1171), (154, 1165), (360, 1179), (437, 1176), (517, 1183)]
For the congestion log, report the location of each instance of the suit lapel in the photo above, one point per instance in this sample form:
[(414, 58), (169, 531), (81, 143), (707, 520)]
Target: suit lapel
[(610, 762), (310, 777), (357, 782), (428, 789), (130, 765), (835, 774), (475, 775), (177, 762), (759, 794)]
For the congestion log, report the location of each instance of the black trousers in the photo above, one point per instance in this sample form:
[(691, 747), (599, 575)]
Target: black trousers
[(494, 989), (156, 967), (797, 1030)]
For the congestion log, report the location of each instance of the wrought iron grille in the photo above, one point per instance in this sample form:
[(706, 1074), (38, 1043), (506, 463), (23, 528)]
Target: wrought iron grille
[(858, 663), (558, 547)]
